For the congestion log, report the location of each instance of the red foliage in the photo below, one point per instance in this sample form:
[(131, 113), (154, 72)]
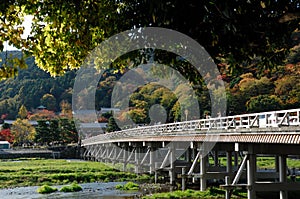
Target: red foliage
[(5, 135), (3, 116)]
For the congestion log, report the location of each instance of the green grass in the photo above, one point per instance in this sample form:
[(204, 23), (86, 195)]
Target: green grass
[(46, 189), (74, 187), (262, 162), (211, 193), (129, 186), (37, 172)]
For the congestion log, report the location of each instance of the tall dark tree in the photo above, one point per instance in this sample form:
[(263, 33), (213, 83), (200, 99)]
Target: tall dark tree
[(68, 131), (112, 125), (42, 132)]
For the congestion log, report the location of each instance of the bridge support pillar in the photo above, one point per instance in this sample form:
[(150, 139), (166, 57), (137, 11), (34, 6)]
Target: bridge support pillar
[(152, 162), (172, 164), (282, 175), (137, 162), (203, 163), (125, 156), (251, 170), (229, 162), (108, 151), (236, 159), (188, 155), (115, 153), (277, 163), (216, 158)]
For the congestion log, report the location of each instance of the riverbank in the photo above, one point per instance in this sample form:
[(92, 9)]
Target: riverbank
[(25, 175), (37, 172)]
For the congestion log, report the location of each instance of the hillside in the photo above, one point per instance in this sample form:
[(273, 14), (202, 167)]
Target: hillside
[(29, 87), (250, 91)]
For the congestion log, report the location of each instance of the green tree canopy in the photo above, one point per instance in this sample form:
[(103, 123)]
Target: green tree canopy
[(242, 33), (55, 131), (263, 103), (49, 101)]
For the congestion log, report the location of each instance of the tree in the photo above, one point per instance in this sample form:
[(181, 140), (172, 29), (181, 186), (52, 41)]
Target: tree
[(42, 132), (66, 109), (42, 115), (263, 103), (68, 131), (56, 131), (63, 32), (112, 125), (6, 135), (49, 101), (22, 112), (23, 132), (47, 132)]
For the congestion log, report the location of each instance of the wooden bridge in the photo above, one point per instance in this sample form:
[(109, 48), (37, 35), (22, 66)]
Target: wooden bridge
[(181, 151)]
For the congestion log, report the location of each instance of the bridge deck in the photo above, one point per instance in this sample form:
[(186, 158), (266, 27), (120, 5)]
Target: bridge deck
[(268, 127)]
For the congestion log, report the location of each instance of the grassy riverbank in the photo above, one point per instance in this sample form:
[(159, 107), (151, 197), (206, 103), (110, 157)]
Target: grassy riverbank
[(31, 172), (211, 193)]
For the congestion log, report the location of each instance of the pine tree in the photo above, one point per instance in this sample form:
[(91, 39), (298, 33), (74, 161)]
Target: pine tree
[(112, 125)]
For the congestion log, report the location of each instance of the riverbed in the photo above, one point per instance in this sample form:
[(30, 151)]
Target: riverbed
[(90, 191)]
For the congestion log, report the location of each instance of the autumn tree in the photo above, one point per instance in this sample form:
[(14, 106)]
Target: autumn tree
[(66, 109), (23, 132), (63, 32), (42, 115), (23, 112), (6, 135)]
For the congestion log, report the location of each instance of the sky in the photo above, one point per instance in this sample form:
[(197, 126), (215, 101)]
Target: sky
[(27, 25)]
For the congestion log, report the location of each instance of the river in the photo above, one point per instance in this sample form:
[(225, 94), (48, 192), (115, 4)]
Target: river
[(90, 191)]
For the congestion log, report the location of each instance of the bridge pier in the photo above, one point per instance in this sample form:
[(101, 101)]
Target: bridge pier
[(229, 163), (152, 160), (216, 158), (251, 171), (137, 160), (282, 175), (172, 164), (125, 156), (203, 164)]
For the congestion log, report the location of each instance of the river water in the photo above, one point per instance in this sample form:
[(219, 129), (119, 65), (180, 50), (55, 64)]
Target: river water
[(90, 191)]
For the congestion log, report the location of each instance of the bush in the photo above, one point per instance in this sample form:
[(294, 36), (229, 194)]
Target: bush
[(74, 187), (45, 189), (128, 186)]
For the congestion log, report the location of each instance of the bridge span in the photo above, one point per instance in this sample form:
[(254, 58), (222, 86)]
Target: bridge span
[(191, 151)]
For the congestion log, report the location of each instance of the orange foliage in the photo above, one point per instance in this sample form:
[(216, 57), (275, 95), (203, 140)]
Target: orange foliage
[(42, 114)]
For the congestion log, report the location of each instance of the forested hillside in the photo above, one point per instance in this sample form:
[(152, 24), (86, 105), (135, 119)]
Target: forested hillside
[(33, 87), (250, 91)]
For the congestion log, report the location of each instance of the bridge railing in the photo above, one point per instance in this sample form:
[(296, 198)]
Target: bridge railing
[(273, 119)]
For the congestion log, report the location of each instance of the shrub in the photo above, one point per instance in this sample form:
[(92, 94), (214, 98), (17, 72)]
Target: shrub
[(74, 187), (128, 186), (45, 189)]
